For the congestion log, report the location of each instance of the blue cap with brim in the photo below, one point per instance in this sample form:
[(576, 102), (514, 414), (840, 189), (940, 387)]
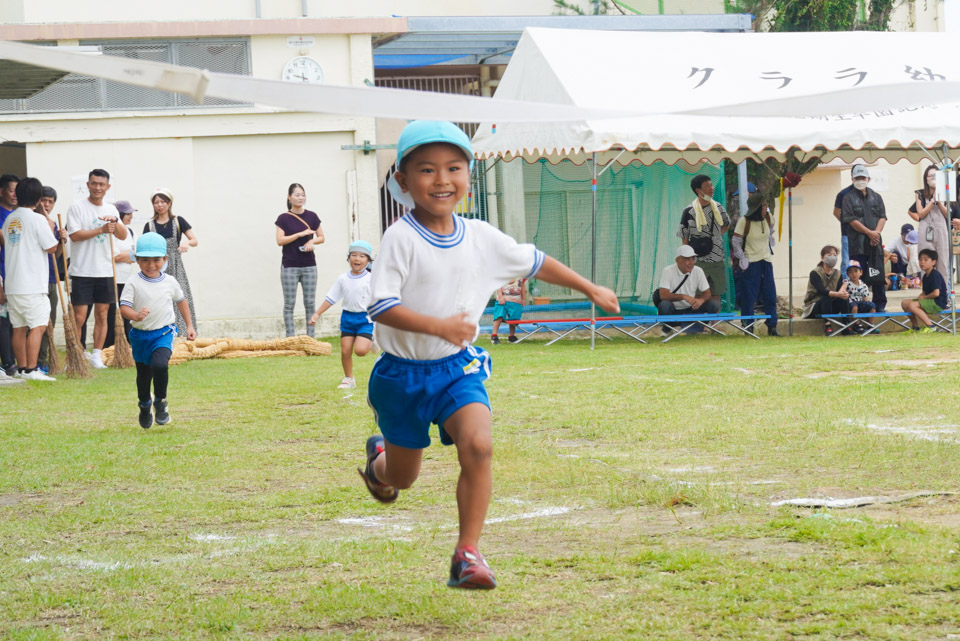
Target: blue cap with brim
[(425, 132), (151, 245), (362, 247)]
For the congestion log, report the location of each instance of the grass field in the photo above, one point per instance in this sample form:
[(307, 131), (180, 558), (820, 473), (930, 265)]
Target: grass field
[(633, 500)]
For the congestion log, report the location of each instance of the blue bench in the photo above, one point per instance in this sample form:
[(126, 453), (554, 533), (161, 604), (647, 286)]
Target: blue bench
[(636, 327), (841, 322)]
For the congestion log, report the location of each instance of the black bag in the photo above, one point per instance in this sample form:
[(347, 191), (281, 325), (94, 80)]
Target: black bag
[(873, 273), (701, 245), (656, 293)]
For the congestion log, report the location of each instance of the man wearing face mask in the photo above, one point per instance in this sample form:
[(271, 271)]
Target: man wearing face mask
[(752, 245), (864, 211), (844, 228), (702, 226)]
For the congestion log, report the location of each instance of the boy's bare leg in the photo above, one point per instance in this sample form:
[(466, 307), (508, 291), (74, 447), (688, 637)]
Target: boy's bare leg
[(398, 466), (34, 338), (346, 355), (361, 346), (100, 324), (469, 427), (496, 325)]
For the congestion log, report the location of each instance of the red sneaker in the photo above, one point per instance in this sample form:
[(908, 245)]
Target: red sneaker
[(380, 491), (468, 569)]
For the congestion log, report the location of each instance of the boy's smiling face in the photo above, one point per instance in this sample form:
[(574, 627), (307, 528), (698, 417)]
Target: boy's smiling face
[(437, 176), (358, 261), (152, 266)]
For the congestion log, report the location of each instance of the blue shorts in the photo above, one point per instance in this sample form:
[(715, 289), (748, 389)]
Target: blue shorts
[(407, 396), (355, 324), (507, 311), (145, 342), (864, 306)]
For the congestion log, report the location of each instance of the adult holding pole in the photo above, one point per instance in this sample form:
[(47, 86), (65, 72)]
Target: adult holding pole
[(89, 222)]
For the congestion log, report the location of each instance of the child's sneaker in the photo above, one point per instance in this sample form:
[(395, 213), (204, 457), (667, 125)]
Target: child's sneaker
[(348, 382), (495, 339), (380, 491), (37, 375), (160, 405), (929, 329), (828, 329), (146, 417), (469, 570), (512, 339), (96, 362)]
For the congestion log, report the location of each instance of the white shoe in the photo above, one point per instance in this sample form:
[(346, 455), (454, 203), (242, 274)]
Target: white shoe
[(4, 376), (37, 375), (347, 383), (19, 374), (96, 362)]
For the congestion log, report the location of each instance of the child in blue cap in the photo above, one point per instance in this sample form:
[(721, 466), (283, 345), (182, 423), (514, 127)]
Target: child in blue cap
[(356, 329), (435, 273), (147, 301)]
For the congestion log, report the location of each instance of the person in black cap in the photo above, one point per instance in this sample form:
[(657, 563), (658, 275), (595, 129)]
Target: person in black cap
[(864, 211), (898, 253)]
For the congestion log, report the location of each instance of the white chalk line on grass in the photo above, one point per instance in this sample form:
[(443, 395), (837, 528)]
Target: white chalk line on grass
[(944, 432), (547, 511), (375, 522), (860, 501)]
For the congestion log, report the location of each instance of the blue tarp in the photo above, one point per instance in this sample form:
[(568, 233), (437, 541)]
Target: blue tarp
[(408, 60)]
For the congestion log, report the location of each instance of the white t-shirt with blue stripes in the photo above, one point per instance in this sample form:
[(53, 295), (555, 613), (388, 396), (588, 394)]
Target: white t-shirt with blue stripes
[(353, 289), (440, 276), (159, 295)]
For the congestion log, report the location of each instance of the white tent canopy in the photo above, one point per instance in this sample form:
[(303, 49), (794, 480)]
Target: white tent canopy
[(845, 95)]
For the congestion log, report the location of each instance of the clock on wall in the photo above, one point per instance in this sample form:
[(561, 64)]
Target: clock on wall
[(303, 69)]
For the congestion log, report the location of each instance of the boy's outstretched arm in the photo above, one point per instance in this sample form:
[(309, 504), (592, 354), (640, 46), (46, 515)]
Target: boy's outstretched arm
[(453, 329), (556, 273), (324, 306)]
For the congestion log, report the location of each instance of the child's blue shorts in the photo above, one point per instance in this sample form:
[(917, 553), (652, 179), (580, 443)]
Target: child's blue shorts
[(355, 324), (407, 396), (145, 342), (864, 306), (507, 311)]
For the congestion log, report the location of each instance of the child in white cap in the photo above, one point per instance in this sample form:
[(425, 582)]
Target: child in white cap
[(435, 273), (356, 328)]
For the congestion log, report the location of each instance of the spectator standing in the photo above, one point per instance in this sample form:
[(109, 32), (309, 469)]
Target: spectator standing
[(826, 290), (125, 262), (863, 210), (933, 228), (8, 203), (702, 226), (27, 237), (298, 233), (48, 198), (752, 245), (844, 227), (180, 238), (89, 220)]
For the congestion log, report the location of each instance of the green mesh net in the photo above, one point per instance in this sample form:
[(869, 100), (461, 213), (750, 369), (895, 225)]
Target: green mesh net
[(638, 216)]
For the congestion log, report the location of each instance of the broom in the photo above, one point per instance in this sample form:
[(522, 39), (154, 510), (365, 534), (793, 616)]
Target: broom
[(77, 365), (53, 359), (122, 354)]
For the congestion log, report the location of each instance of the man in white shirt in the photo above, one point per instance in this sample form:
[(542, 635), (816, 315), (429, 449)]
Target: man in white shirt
[(27, 239), (684, 288), (89, 221)]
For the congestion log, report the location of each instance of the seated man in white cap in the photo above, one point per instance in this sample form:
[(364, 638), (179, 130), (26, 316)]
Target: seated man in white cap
[(684, 288)]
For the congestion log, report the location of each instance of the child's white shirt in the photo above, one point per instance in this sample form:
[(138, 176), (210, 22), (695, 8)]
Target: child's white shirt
[(159, 295), (27, 236), (440, 276), (353, 289)]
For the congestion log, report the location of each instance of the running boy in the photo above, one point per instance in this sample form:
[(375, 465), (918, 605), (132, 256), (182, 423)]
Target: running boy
[(934, 296), (356, 330), (434, 276), (147, 301), (510, 301)]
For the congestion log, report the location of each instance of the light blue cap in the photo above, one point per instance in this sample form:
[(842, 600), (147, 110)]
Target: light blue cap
[(361, 246), (424, 132), (151, 245)]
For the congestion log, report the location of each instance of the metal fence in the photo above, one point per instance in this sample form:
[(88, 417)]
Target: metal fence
[(475, 206), (77, 92)]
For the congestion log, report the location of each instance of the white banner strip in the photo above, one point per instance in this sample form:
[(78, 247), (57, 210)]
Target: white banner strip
[(333, 99)]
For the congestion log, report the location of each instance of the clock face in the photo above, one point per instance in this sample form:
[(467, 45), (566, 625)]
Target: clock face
[(303, 69)]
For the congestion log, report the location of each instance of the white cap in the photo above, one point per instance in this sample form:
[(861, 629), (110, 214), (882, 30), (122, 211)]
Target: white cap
[(685, 251), (860, 171)]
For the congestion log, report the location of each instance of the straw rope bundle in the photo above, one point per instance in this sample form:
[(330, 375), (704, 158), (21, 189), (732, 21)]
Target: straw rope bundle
[(230, 348)]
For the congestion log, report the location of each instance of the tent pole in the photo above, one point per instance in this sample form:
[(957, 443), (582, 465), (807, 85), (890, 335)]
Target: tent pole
[(593, 255), (790, 261), (948, 165)]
